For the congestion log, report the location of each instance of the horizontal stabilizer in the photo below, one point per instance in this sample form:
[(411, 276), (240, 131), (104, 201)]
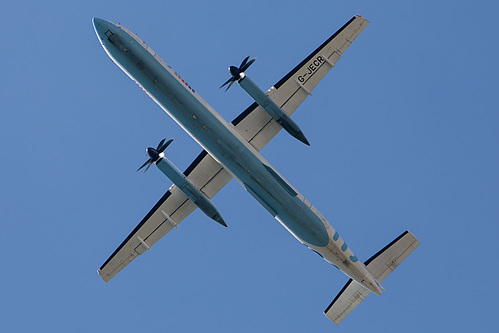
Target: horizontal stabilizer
[(380, 266), (349, 297), (385, 261)]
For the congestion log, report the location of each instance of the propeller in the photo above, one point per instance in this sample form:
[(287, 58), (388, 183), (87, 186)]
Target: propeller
[(236, 72), (154, 154)]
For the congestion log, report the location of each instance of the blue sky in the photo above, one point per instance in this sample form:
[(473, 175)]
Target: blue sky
[(403, 136)]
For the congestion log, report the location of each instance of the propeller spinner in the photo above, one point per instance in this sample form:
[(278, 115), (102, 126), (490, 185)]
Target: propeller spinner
[(154, 154), (236, 72)]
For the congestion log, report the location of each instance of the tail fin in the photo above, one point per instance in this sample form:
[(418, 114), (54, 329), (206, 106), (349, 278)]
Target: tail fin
[(380, 266)]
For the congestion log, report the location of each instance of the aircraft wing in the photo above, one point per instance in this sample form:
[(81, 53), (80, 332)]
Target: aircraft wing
[(255, 125), (170, 210)]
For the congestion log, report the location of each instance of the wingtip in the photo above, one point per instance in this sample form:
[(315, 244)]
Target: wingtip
[(102, 277)]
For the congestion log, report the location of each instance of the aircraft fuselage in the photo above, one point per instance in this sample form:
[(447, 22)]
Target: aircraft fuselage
[(222, 141)]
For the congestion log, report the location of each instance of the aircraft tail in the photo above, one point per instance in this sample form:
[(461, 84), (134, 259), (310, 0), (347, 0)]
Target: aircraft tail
[(380, 266)]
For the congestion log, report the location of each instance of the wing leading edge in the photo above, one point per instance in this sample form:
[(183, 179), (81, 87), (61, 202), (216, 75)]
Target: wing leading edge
[(255, 125)]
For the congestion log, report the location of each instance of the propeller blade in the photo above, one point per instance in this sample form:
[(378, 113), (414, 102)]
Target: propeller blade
[(246, 66), (236, 72), (163, 147), (143, 165), (244, 62), (160, 144), (230, 85), (231, 79)]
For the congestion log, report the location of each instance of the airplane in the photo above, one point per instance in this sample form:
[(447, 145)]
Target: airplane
[(232, 150)]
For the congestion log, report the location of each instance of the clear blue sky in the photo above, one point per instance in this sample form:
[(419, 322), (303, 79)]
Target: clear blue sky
[(403, 136)]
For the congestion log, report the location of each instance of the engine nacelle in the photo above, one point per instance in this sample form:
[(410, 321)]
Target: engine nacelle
[(191, 191), (271, 108)]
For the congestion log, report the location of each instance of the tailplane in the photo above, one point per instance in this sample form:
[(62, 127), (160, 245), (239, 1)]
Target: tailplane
[(380, 266)]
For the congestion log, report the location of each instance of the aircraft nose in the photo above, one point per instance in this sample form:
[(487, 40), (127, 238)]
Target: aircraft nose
[(97, 23), (101, 26)]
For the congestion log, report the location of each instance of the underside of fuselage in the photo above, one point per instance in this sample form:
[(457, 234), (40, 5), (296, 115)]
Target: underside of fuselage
[(222, 141)]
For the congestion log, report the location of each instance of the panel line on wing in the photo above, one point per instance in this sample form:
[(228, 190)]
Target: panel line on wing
[(209, 180), (263, 127), (302, 86)]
